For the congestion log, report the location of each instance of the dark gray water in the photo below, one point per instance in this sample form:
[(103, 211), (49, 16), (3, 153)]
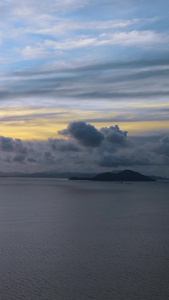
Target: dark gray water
[(83, 240)]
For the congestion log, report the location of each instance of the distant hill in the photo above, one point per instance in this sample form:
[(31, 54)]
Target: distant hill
[(117, 175), (126, 175)]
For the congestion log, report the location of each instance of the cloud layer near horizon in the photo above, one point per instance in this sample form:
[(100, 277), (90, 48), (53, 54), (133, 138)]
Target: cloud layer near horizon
[(102, 62), (86, 149)]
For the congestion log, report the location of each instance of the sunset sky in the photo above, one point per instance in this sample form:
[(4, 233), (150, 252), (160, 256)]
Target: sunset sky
[(84, 85)]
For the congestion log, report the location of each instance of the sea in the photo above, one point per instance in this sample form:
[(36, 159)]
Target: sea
[(79, 240)]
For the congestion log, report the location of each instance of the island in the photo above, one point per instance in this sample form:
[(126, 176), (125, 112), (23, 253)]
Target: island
[(126, 175)]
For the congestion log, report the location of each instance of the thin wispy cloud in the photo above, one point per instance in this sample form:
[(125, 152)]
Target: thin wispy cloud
[(100, 63), (133, 38)]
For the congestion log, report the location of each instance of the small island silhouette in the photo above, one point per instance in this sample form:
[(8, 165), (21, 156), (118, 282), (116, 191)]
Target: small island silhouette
[(126, 175)]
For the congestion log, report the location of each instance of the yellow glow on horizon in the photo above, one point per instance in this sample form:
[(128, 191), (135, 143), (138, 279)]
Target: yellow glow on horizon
[(45, 129), (135, 128), (136, 104), (43, 123), (146, 105)]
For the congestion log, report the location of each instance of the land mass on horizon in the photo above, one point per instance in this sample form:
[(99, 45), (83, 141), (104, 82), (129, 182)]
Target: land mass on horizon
[(107, 176), (126, 175)]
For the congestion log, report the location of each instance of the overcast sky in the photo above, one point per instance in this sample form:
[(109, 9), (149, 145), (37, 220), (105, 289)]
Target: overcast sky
[(101, 67)]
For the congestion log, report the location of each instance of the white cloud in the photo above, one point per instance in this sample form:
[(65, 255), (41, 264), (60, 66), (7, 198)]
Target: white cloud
[(132, 38), (42, 6), (63, 26), (71, 43), (30, 52)]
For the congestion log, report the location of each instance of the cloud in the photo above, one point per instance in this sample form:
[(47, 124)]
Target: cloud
[(70, 44), (19, 158), (110, 161), (86, 149), (135, 79), (31, 117), (114, 135), (85, 134), (100, 59), (30, 52), (132, 38), (64, 26), (30, 8), (134, 156), (75, 67), (47, 156), (39, 30), (63, 145), (117, 150), (31, 160), (6, 144), (10, 145), (163, 146)]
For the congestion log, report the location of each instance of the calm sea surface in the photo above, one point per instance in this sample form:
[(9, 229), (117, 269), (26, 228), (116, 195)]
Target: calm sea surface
[(78, 240)]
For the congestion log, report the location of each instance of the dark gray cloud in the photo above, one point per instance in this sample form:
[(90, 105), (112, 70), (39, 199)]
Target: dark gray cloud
[(63, 145), (118, 161), (6, 144), (163, 146), (133, 157), (114, 135), (19, 158), (47, 156), (7, 159), (19, 147), (123, 95), (86, 134), (86, 149), (31, 160), (96, 67), (10, 145)]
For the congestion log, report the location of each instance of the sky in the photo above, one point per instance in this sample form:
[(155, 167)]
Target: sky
[(84, 85)]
